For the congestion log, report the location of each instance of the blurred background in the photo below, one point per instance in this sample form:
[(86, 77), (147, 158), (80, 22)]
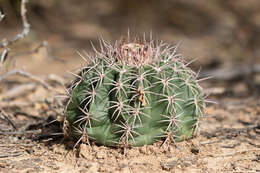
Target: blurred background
[(222, 35), (218, 33)]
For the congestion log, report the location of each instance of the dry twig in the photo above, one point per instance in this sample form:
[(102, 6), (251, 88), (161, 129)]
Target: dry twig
[(27, 115), (209, 142), (1, 15), (28, 75), (16, 145), (21, 132), (232, 73), (5, 115), (17, 91), (14, 154), (14, 104), (4, 56), (26, 27), (43, 44)]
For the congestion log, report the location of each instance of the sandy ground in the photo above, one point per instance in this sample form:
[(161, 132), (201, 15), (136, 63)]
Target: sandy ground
[(31, 137)]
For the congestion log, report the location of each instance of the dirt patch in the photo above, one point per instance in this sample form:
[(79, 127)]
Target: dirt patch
[(228, 141)]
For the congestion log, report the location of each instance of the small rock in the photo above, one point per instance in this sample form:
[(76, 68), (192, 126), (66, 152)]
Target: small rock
[(169, 165), (100, 154), (186, 164), (195, 150)]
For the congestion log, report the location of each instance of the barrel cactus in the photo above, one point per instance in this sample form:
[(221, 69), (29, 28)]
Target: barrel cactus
[(134, 93)]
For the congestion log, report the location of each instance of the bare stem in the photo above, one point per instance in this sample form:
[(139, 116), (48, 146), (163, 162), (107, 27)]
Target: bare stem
[(1, 15), (25, 74), (6, 116), (26, 27)]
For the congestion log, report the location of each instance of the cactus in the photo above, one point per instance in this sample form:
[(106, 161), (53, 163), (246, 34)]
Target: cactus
[(134, 93)]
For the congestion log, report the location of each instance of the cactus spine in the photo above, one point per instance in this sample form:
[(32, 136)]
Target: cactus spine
[(134, 93)]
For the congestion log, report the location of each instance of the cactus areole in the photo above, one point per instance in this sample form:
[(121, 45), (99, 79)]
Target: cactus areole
[(134, 93)]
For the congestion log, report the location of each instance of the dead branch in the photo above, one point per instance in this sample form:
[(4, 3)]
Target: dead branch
[(4, 56), (14, 104), (231, 73), (27, 75), (14, 154), (27, 115), (6, 117), (209, 142), (48, 135), (26, 27), (17, 145), (1, 15), (18, 91), (21, 132), (43, 44)]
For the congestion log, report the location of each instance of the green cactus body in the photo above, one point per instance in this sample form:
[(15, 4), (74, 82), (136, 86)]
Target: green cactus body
[(133, 94)]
